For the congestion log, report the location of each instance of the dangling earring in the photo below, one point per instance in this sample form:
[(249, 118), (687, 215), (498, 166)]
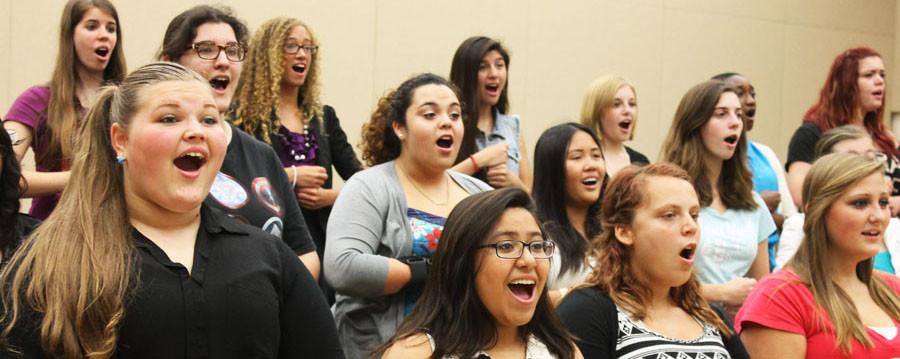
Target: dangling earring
[(120, 159)]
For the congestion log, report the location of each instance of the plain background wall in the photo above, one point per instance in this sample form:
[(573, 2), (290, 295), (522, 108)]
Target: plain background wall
[(557, 48)]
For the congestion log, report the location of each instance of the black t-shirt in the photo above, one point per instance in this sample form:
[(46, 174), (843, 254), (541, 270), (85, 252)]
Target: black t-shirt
[(802, 147), (252, 188), (248, 296), (591, 316), (637, 158)]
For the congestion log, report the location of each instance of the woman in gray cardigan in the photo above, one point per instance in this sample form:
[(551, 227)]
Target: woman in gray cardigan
[(388, 219)]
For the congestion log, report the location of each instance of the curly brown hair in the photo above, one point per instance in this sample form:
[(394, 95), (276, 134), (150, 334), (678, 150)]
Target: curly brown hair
[(615, 275), (379, 143), (258, 91)]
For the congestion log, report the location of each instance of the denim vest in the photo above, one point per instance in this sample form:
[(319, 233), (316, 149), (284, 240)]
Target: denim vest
[(506, 129)]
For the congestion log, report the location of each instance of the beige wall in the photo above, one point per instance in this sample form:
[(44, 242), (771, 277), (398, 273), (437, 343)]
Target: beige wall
[(663, 47)]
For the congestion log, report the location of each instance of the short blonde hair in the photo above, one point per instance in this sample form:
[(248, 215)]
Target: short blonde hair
[(600, 95)]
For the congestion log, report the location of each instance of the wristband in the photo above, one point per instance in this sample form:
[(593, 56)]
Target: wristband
[(477, 167), (294, 178), (418, 267)]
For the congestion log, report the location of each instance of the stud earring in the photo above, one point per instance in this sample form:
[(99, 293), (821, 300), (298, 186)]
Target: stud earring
[(120, 159)]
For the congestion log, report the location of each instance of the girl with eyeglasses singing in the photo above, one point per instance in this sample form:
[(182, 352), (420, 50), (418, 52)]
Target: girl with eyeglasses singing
[(251, 186), (486, 297), (47, 117), (278, 103)]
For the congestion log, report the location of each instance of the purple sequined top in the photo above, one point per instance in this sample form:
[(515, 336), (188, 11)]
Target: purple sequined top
[(299, 148)]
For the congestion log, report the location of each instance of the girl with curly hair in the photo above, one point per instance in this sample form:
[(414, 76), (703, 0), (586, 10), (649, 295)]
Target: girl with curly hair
[(388, 221), (278, 103)]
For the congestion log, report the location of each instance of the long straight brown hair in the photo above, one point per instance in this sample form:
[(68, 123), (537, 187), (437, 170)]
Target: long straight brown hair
[(828, 178), (684, 147), (62, 115), (76, 269)]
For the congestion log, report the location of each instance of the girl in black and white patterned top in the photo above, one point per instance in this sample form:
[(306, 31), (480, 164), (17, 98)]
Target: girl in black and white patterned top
[(644, 300)]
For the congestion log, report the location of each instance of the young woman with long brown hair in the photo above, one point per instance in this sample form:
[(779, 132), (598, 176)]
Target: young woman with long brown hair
[(486, 295), (708, 140), (493, 148), (47, 117)]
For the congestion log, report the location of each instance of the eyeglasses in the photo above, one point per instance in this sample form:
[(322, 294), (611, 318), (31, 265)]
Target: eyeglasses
[(515, 249), (209, 50), (295, 48)]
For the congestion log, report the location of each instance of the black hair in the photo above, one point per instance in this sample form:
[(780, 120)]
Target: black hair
[(10, 192), (549, 192), (182, 29), (725, 76), (450, 308), (464, 74), (379, 143)]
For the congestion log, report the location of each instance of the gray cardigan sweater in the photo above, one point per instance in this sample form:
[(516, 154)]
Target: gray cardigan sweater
[(368, 225)]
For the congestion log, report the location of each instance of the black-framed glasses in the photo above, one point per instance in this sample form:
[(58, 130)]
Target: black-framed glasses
[(514, 249), (295, 48), (209, 50)]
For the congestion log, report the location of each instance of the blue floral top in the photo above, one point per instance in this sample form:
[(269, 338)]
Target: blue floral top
[(426, 231)]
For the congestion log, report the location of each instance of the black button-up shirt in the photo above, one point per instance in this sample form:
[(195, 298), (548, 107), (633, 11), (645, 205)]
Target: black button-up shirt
[(248, 296)]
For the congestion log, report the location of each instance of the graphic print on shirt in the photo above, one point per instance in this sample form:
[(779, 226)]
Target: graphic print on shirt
[(635, 341), (228, 192), (426, 231), (274, 226), (263, 190)]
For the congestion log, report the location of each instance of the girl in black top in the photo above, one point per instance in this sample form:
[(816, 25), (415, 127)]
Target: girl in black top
[(278, 103), (132, 265), (251, 186), (853, 94), (644, 297), (14, 226)]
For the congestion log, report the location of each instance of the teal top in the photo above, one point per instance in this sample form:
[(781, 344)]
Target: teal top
[(883, 262)]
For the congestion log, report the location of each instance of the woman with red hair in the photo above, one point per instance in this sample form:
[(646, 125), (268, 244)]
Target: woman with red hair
[(853, 94)]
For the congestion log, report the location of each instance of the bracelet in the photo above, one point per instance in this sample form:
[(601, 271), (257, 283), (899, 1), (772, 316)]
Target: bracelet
[(477, 167), (294, 178), (418, 268)]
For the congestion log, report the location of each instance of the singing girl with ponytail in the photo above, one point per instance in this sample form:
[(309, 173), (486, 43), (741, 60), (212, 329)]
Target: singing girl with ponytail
[(132, 264)]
